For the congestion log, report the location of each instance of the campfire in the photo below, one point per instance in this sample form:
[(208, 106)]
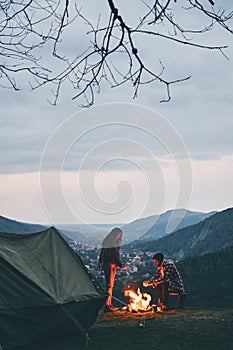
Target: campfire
[(138, 301)]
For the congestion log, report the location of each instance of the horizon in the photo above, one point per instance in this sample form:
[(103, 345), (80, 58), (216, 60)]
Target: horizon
[(110, 223)]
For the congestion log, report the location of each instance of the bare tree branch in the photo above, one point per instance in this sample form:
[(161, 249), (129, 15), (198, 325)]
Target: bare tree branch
[(33, 40)]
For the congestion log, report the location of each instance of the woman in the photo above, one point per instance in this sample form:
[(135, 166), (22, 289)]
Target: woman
[(109, 260)]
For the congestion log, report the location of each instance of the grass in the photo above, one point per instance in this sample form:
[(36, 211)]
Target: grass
[(193, 329), (188, 329)]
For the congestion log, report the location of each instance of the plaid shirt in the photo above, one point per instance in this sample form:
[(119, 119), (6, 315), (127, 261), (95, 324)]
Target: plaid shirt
[(168, 272)]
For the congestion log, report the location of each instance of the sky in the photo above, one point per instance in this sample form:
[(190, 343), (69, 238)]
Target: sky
[(123, 158)]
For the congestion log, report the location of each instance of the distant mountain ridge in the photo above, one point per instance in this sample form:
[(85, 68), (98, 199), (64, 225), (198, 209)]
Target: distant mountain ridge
[(14, 226), (188, 218), (213, 234), (209, 235), (156, 226), (88, 234)]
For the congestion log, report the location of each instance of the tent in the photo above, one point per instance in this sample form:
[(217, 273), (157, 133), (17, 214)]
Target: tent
[(45, 289)]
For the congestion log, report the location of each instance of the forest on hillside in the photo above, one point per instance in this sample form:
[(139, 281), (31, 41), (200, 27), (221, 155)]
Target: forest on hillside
[(208, 278)]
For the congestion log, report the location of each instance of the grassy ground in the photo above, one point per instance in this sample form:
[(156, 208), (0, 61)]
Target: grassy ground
[(188, 329), (177, 329)]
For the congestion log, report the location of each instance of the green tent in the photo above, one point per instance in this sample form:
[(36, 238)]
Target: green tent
[(45, 289)]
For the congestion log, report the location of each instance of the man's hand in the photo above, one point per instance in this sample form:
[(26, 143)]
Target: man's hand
[(145, 284), (149, 284), (123, 267)]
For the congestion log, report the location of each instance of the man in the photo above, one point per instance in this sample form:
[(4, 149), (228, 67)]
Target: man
[(167, 279)]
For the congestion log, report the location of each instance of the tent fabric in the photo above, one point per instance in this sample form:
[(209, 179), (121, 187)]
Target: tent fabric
[(40, 275)]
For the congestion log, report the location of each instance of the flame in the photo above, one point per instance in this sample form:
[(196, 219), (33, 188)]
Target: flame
[(138, 301)]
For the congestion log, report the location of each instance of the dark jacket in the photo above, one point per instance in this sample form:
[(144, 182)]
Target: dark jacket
[(110, 256)]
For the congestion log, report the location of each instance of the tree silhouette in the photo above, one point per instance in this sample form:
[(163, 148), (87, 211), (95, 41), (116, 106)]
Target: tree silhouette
[(34, 39)]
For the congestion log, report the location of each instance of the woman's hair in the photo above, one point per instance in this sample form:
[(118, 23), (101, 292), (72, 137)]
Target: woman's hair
[(111, 239)]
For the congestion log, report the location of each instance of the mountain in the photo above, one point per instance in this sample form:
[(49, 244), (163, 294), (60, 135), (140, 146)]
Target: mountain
[(157, 226), (207, 280), (13, 226), (187, 217), (210, 235), (135, 229), (85, 233)]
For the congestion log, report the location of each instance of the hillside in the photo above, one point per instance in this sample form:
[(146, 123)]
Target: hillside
[(183, 330), (13, 226), (207, 279), (156, 226), (144, 228), (188, 218), (190, 329), (212, 234), (89, 234)]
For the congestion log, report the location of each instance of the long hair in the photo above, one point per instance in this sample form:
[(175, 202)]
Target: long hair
[(111, 239)]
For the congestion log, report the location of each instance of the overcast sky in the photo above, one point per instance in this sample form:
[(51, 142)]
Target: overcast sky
[(124, 158)]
